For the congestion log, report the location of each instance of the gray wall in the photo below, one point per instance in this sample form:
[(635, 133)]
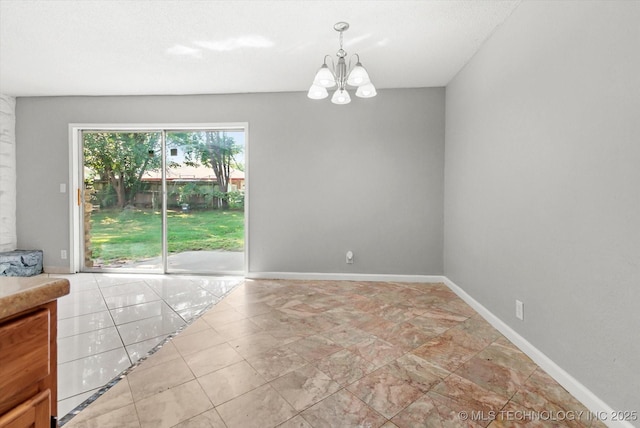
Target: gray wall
[(324, 179), (542, 186)]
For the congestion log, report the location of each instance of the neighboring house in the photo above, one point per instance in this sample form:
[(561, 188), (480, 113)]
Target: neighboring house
[(179, 177)]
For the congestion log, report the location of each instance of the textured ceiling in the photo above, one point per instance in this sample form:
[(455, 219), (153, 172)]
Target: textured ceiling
[(111, 47)]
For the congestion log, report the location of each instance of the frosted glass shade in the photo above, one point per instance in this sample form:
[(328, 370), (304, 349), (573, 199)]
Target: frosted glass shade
[(366, 91), (317, 92), (358, 76), (341, 97), (324, 77)]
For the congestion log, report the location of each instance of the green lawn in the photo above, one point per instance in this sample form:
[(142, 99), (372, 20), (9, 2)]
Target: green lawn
[(125, 235)]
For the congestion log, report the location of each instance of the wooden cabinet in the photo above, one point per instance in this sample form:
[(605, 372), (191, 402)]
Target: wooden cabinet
[(28, 372)]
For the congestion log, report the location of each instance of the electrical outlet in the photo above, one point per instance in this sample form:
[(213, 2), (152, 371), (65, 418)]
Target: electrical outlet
[(349, 257), (63, 254), (519, 310)]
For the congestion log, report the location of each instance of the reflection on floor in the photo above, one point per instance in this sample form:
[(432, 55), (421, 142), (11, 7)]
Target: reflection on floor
[(335, 354), (108, 322)]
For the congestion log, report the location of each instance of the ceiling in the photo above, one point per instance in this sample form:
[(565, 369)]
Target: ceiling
[(152, 47)]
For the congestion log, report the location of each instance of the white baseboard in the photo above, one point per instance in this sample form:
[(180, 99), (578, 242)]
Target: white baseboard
[(345, 277), (571, 384)]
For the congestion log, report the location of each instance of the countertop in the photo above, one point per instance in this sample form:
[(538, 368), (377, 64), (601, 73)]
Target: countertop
[(18, 294)]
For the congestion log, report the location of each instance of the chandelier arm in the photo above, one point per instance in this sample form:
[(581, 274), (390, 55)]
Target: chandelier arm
[(350, 67), (333, 64)]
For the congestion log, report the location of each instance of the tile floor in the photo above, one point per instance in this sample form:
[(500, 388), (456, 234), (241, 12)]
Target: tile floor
[(331, 354), (109, 321)]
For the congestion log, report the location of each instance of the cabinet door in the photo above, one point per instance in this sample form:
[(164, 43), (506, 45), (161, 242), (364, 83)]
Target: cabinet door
[(24, 353), (33, 413)]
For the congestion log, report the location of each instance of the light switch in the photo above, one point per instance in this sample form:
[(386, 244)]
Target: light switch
[(63, 187)]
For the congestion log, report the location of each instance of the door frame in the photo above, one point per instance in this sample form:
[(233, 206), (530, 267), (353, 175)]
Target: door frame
[(76, 250)]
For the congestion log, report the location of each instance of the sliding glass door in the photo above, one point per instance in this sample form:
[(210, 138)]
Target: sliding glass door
[(166, 200), (122, 210), (205, 201)]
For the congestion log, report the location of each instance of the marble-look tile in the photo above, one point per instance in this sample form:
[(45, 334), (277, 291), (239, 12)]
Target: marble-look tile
[(271, 322), (195, 327), (342, 409), (302, 310), (347, 335), (276, 362), (399, 313), (230, 382), (172, 406), (417, 372), (541, 392), (219, 318), (460, 394), (148, 328), (254, 344), (318, 323), (459, 306), (447, 351), (377, 351), (424, 413), (211, 359), (236, 329), (295, 422), (167, 352), (262, 407), (84, 323), (149, 381), (313, 348), (345, 367), (436, 320), (197, 342), (515, 416), (85, 374), (508, 356), (344, 315), (129, 314), (208, 419), (375, 325), (89, 343), (305, 386), (117, 397), (499, 369), (124, 417), (253, 309), (479, 329), (384, 392), (405, 335)]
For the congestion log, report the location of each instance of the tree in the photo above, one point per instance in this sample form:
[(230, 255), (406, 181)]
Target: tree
[(214, 149), (121, 159)]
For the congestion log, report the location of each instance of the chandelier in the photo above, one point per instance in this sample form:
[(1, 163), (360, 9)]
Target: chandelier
[(340, 75)]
